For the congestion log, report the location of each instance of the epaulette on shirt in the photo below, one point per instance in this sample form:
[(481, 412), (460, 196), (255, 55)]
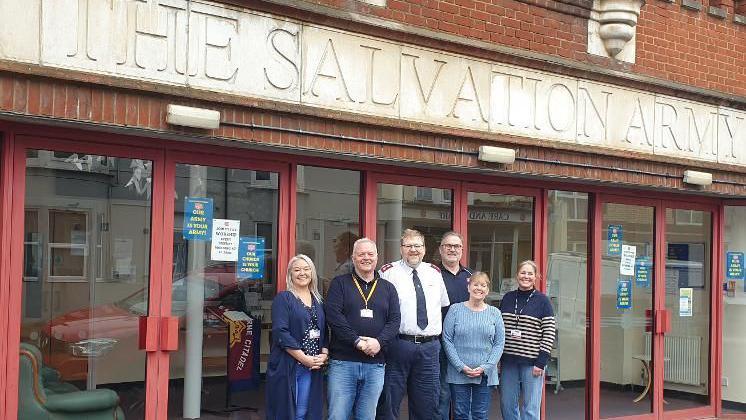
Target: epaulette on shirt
[(386, 267), (435, 267)]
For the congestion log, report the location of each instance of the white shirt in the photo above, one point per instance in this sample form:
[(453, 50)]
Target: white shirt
[(436, 296)]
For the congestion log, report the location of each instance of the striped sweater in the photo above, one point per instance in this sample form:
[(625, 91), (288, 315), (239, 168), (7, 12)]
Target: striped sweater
[(530, 313)]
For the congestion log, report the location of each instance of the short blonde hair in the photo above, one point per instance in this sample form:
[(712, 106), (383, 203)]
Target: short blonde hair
[(314, 286), (481, 275)]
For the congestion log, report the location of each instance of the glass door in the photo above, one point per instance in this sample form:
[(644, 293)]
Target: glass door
[(627, 282), (89, 223), (733, 381), (688, 301), (223, 240)]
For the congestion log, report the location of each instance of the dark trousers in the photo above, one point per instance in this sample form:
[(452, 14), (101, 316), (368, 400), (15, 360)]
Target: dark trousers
[(413, 369)]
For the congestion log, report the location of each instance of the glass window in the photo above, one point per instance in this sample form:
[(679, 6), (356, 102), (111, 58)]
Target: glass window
[(734, 312), (81, 303), (408, 207), (626, 301), (500, 229), (567, 290), (687, 345), (222, 288), (328, 209)]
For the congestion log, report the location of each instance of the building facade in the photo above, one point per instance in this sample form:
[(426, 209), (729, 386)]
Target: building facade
[(162, 160)]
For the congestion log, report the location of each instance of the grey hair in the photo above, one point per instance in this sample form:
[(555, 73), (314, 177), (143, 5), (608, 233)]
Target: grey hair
[(314, 286), (451, 233), (361, 241)]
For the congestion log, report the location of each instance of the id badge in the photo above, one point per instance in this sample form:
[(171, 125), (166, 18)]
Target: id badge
[(366, 313), (314, 334), (515, 333)]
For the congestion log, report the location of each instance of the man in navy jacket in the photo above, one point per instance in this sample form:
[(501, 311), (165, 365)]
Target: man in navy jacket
[(362, 311)]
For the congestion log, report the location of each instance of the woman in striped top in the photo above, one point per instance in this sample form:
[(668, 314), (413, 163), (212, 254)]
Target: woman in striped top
[(473, 339), (529, 337)]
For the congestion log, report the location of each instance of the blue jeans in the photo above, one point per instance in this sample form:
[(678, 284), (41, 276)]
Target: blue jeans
[(354, 388), (471, 400), (302, 391), (514, 379)]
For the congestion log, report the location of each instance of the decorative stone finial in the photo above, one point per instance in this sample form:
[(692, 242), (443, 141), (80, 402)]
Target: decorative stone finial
[(612, 26)]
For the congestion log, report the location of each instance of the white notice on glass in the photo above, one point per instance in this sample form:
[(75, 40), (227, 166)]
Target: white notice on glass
[(627, 266), (225, 240)]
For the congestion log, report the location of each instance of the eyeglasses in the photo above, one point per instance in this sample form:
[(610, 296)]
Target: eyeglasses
[(452, 246), (413, 246)]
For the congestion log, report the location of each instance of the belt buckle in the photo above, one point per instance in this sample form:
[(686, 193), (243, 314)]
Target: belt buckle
[(417, 339)]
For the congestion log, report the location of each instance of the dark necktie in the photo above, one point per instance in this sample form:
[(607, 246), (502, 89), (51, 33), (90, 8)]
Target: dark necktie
[(421, 305)]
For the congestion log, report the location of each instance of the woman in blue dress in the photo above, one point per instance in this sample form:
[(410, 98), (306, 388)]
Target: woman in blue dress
[(299, 346)]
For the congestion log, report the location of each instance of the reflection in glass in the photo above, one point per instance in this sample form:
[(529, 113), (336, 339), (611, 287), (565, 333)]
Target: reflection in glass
[(328, 209), (400, 207), (81, 303), (734, 314), (625, 302), (567, 290), (222, 299), (500, 229), (687, 344)]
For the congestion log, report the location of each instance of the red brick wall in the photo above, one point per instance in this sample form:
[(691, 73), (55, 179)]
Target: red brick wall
[(673, 43)]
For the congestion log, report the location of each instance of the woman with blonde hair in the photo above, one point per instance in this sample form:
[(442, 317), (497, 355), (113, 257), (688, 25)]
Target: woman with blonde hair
[(299, 346), (529, 337)]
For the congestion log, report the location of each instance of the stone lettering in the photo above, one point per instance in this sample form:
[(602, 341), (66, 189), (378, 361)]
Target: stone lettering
[(731, 127), (701, 137), (561, 107), (637, 131), (469, 94), (226, 49), (370, 91), (666, 119), (331, 71), (425, 96), (597, 116), (518, 95), (283, 58)]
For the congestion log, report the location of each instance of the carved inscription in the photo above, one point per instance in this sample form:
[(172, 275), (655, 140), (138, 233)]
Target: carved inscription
[(226, 49)]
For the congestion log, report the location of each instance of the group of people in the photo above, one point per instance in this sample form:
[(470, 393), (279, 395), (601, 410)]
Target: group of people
[(411, 328)]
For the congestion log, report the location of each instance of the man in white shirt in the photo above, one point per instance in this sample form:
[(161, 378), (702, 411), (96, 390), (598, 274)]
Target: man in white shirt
[(413, 365)]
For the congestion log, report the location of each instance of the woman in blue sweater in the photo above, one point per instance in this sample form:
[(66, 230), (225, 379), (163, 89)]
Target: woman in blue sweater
[(473, 339), (529, 337)]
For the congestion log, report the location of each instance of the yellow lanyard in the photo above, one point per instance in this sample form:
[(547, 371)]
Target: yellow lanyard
[(372, 289)]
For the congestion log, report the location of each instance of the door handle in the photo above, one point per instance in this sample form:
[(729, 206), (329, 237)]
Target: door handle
[(148, 333), (169, 333), (662, 321)]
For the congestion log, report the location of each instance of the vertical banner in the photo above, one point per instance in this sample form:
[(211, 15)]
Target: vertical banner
[(642, 272), (686, 296), (225, 240), (627, 265), (615, 237), (623, 294), (197, 218), (243, 354), (250, 258), (734, 269)]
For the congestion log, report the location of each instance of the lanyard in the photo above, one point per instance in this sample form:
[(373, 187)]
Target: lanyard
[(518, 314), (372, 289)]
